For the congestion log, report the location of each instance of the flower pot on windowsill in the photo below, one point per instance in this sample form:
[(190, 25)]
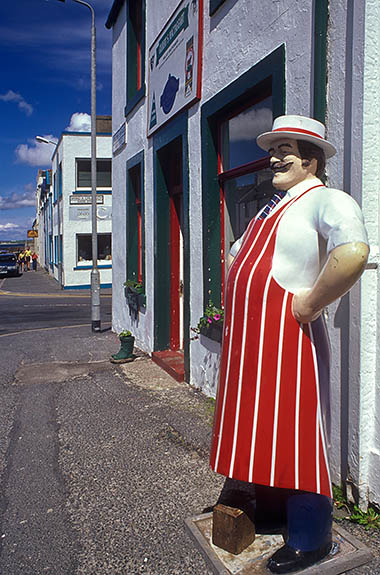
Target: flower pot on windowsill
[(213, 331)]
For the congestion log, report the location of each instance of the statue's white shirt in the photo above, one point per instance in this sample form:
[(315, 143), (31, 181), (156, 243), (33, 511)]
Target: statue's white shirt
[(309, 230)]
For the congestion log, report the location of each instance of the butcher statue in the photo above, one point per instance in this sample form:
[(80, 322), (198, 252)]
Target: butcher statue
[(302, 252)]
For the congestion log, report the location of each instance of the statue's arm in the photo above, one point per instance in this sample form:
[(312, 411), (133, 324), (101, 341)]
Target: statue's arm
[(343, 268)]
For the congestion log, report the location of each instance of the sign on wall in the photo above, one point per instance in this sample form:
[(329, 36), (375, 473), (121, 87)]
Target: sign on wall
[(119, 138), (32, 234), (83, 213), (175, 62), (85, 199)]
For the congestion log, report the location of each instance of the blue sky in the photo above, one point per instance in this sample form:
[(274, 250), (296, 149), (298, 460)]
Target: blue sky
[(44, 90)]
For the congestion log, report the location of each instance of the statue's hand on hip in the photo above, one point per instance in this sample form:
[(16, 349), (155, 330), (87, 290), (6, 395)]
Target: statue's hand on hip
[(302, 309)]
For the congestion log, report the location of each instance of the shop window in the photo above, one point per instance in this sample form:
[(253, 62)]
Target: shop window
[(244, 175), (135, 224), (84, 247), (214, 5), (235, 179), (103, 174), (135, 53)]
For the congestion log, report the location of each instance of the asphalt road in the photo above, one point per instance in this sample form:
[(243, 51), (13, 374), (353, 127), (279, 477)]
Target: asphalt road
[(99, 464), (34, 301)]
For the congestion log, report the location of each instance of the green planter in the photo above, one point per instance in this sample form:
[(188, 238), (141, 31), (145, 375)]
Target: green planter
[(125, 352), (135, 298), (213, 331)]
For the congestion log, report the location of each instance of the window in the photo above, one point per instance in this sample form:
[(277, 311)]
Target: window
[(60, 181), (84, 247), (244, 174), (231, 162), (103, 174), (135, 224), (135, 53), (55, 250), (55, 188)]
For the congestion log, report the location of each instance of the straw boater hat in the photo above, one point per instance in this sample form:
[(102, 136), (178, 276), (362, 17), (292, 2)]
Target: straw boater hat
[(297, 128)]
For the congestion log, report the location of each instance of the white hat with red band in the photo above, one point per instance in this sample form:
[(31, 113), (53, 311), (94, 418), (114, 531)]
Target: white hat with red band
[(297, 128)]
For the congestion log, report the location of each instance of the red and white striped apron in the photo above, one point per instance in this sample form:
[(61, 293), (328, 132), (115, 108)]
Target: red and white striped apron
[(268, 426)]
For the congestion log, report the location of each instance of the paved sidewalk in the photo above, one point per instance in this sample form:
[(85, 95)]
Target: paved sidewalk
[(40, 282)]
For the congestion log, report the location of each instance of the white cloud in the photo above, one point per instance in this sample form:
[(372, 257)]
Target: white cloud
[(9, 226), (14, 201), (250, 124), (23, 105), (79, 122), (35, 153)]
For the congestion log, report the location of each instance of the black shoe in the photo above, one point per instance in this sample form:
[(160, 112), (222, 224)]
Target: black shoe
[(287, 559)]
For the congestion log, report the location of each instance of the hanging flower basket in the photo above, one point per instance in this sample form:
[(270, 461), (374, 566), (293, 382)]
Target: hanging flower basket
[(213, 331), (211, 323), (134, 294)]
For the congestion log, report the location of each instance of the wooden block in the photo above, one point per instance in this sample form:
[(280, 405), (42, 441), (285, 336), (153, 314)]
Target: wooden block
[(232, 530)]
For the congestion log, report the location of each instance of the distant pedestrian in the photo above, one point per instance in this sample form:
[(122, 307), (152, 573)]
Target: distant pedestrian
[(21, 257), (34, 261), (27, 258)]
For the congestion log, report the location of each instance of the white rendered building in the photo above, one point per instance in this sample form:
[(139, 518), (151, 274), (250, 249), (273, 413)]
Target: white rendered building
[(194, 82), (66, 221)]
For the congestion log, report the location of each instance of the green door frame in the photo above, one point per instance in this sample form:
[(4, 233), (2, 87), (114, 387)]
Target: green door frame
[(131, 228), (268, 74), (177, 128)]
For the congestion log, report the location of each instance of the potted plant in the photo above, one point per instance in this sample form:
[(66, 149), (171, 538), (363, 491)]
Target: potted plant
[(125, 353), (211, 323)]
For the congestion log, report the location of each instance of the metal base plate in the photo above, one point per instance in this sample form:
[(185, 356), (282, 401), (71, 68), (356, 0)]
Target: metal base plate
[(346, 554)]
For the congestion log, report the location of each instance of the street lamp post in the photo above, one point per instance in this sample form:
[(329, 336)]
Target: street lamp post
[(95, 276)]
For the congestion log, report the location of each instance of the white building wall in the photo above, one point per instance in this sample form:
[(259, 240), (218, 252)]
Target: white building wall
[(369, 485), (71, 147), (238, 36)]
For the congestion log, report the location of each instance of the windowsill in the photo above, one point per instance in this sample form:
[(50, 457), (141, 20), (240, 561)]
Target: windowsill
[(99, 191), (140, 94), (88, 266)]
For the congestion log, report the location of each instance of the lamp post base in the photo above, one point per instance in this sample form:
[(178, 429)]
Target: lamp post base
[(95, 300)]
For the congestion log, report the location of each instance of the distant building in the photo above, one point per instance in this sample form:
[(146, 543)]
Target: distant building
[(194, 83), (65, 209)]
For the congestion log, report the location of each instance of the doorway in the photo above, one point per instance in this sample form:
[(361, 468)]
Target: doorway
[(170, 255)]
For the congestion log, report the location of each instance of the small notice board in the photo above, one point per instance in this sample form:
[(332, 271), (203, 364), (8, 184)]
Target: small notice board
[(175, 65)]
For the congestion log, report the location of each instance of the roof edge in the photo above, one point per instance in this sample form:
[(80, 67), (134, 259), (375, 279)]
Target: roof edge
[(114, 12)]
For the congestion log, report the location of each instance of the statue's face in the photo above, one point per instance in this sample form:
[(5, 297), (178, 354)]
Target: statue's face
[(287, 166)]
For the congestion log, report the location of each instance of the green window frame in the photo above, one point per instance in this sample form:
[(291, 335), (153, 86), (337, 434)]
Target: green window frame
[(135, 53), (135, 220), (266, 75)]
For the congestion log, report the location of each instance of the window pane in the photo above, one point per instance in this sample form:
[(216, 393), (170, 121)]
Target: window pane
[(103, 175), (104, 246), (85, 247), (244, 197), (239, 135), (84, 173), (134, 233)]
